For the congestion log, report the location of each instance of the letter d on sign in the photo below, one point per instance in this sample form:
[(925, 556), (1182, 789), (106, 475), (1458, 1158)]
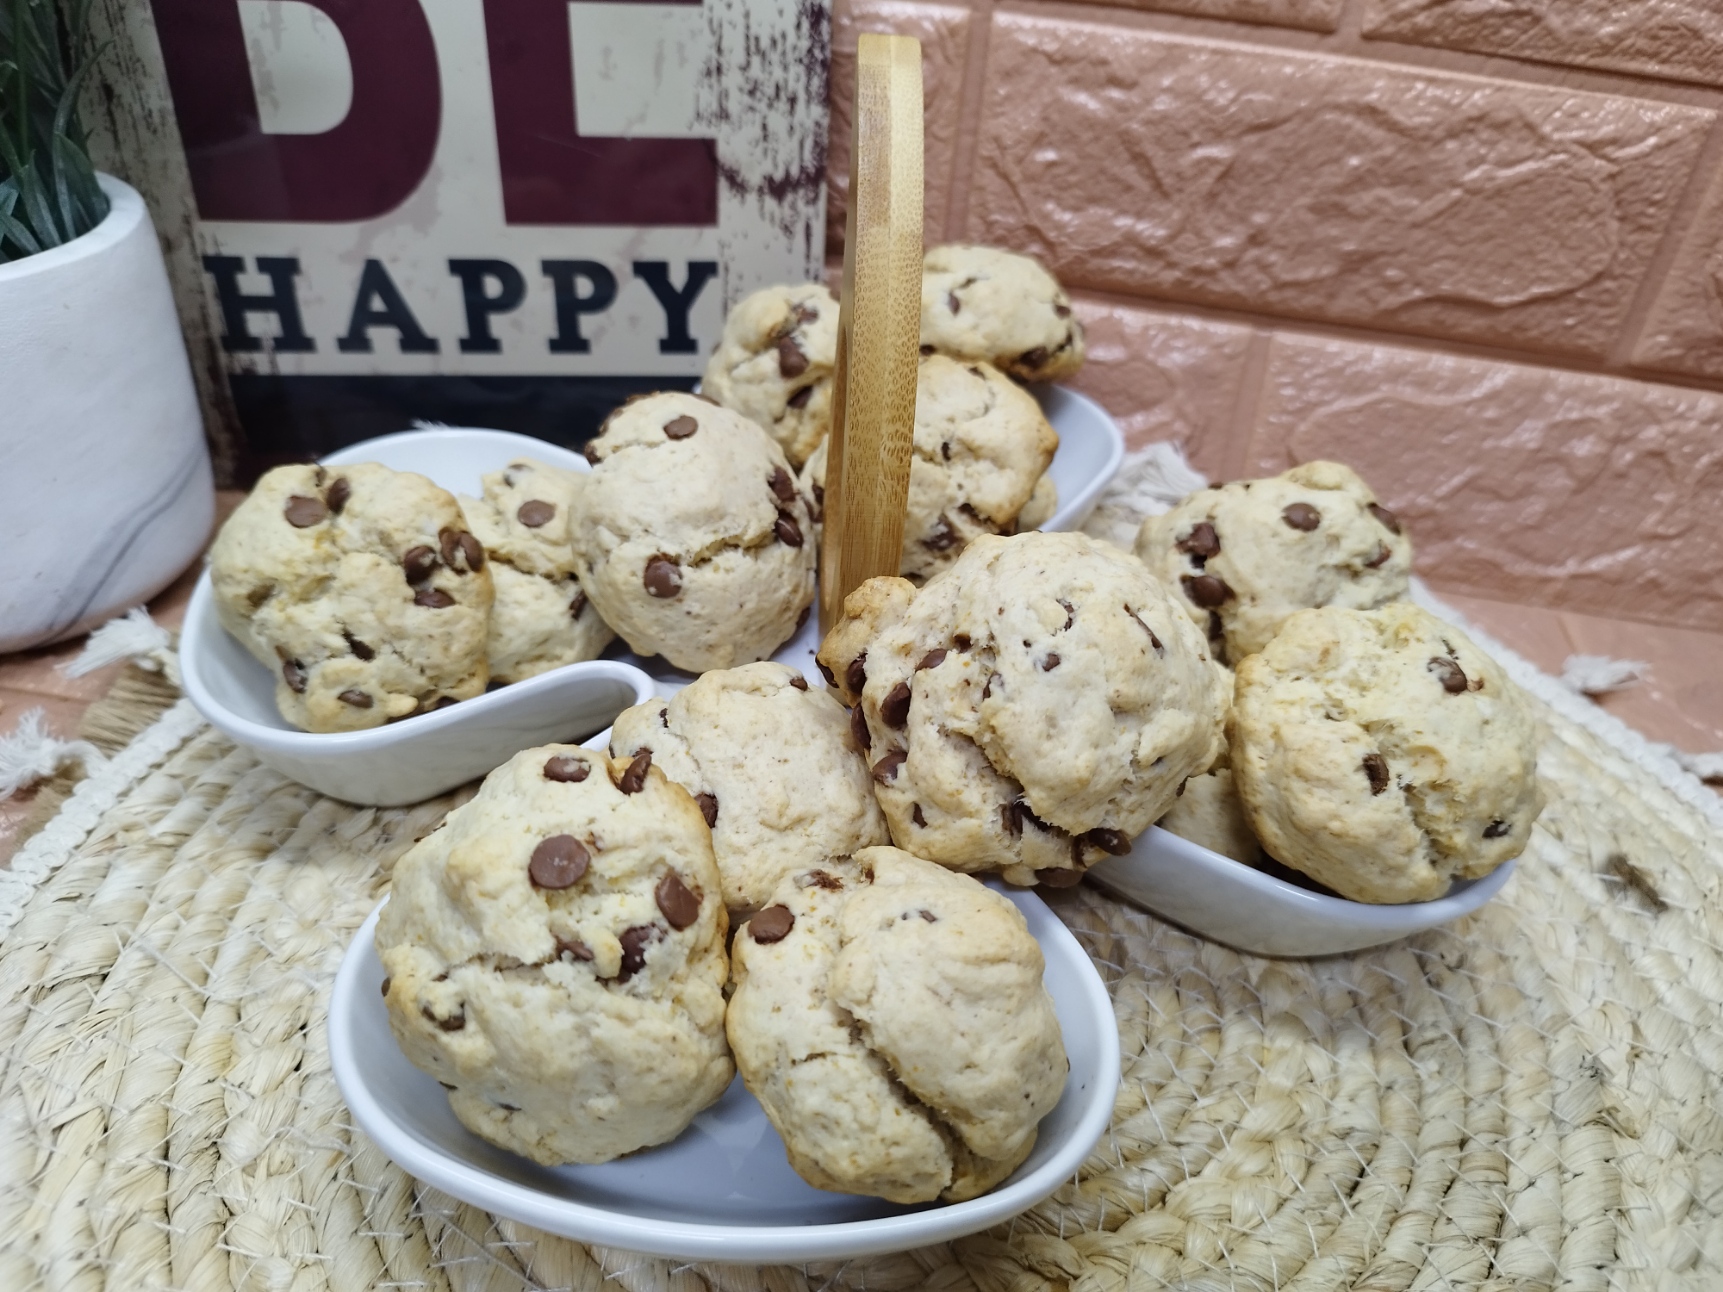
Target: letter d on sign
[(363, 168)]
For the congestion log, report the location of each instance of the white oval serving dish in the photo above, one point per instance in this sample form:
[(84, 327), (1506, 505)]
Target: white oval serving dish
[(723, 1190), (1227, 901)]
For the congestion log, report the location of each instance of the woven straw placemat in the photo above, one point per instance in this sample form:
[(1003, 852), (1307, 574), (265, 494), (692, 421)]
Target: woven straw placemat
[(1529, 1099)]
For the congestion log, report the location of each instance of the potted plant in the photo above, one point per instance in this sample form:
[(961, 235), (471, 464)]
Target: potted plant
[(105, 487)]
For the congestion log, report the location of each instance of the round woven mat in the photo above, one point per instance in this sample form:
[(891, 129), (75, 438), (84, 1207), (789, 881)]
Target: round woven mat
[(1529, 1099)]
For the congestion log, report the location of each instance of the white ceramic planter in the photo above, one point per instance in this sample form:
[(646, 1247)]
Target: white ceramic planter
[(105, 487)]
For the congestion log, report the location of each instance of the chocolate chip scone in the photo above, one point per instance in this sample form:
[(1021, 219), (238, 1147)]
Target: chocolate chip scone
[(555, 957), (360, 589), (998, 306), (890, 1018), (981, 445), (774, 364), (1030, 710), (1248, 554), (1383, 754), (691, 537), (542, 617), (773, 765)]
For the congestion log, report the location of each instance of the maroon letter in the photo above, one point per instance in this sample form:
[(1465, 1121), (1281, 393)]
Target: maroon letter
[(365, 167), (552, 174)]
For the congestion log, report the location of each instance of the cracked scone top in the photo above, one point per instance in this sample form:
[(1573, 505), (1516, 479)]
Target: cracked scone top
[(774, 364), (1030, 710), (772, 764), (981, 446), (542, 617), (1001, 307), (360, 589), (1382, 753), (1246, 555), (555, 957), (691, 537), (889, 1016)]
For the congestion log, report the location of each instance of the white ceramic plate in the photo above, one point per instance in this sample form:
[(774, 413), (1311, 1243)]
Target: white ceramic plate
[(405, 762), (723, 1190), (1229, 902)]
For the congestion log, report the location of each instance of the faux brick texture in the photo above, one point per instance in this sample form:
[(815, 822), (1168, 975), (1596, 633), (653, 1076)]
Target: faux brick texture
[(1325, 188), (1673, 39), (944, 35), (1313, 15), (1167, 377), (1684, 332), (1522, 484)]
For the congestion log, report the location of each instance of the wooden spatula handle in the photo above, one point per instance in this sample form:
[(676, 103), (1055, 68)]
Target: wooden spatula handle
[(879, 326)]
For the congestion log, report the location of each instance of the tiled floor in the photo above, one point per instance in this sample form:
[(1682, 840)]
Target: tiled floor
[(1680, 701)]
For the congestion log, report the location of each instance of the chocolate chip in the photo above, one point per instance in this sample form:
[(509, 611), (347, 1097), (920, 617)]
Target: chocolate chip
[(1382, 554), (577, 605), (433, 599), (1109, 840), (858, 729), (962, 642), (386, 983), (454, 1023), (792, 362), (450, 542), (535, 512), (293, 673), (1449, 673), (855, 676), (572, 947), (359, 648), (885, 770), (338, 494), (1070, 613), (589, 451), (355, 697), (987, 689), (799, 682), (1059, 878), (634, 779), (1202, 542), (663, 578), (419, 564), (634, 943), (782, 485), (677, 901), (826, 673), (567, 769), (1206, 590), (1496, 829), (1033, 358), (680, 428), (789, 533), (319, 475), (942, 537), (1051, 662), (917, 817), (926, 350), (772, 925), (558, 862), (1153, 640), (1376, 768), (927, 915), (933, 659), (708, 807), (1388, 519), (1063, 311), (1301, 515), (303, 512), (894, 709), (1011, 818), (664, 718), (820, 879), (801, 397), (473, 550)]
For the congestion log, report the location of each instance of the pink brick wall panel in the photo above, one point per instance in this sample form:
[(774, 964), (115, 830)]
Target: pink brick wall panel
[(1675, 39), (1167, 377), (1319, 187), (1312, 15), (1520, 484), (1684, 331), (944, 35)]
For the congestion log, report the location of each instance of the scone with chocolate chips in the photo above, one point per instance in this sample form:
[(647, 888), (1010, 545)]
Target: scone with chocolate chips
[(1000, 307), (890, 1018), (773, 765), (542, 618), (981, 447), (1030, 710), (1244, 556), (690, 535), (774, 364), (1383, 754), (555, 957), (360, 589)]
